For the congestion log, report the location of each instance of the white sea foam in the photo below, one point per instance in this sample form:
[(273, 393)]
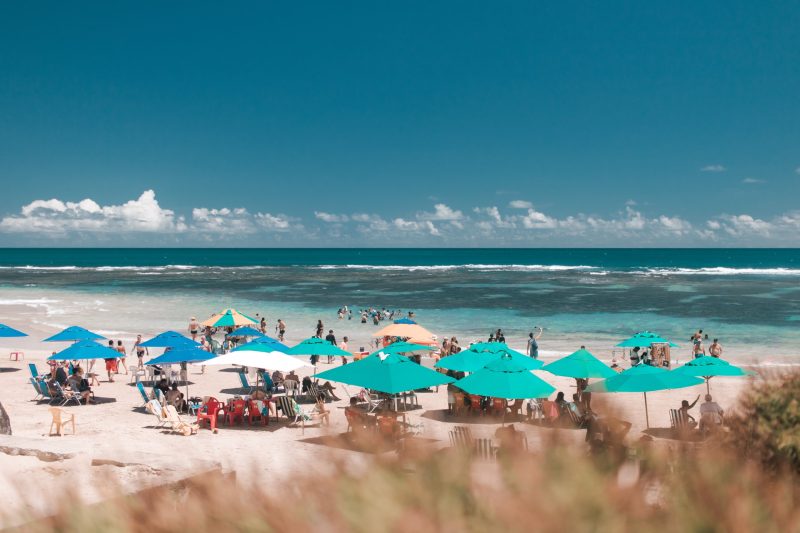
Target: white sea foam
[(476, 267), (722, 271)]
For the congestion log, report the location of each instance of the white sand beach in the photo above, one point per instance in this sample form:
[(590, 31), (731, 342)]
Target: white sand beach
[(117, 441)]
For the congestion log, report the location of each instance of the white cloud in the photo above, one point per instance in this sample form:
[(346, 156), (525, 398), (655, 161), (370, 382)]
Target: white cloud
[(222, 220), (713, 168), (520, 204), (674, 224), (738, 225), (419, 226), (537, 220), (57, 217), (330, 217), (442, 212), (274, 222), (752, 181)]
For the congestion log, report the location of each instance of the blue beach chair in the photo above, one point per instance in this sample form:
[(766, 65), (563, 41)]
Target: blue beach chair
[(38, 390), (246, 384), (45, 391), (145, 398), (34, 370)]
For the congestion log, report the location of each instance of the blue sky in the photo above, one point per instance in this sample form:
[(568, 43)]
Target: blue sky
[(413, 123)]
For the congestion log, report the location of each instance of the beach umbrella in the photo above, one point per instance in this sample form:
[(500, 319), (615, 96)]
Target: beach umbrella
[(505, 378), (405, 331), (229, 317), (644, 379), (708, 367), (390, 373), (185, 354), (316, 346), (272, 360), (406, 347), (7, 331), (581, 364), (470, 360), (404, 321), (86, 349), (74, 334), (170, 339), (644, 338), (244, 331), (264, 343)]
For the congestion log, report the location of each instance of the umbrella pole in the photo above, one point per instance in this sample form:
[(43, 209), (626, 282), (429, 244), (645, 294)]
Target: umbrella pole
[(708, 387), (646, 414)]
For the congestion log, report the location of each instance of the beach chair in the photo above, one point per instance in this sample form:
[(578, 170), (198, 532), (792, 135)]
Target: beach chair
[(409, 397), (516, 407), (286, 406), (235, 411), (458, 403), (461, 439), (499, 406), (475, 406), (291, 386), (374, 402), (485, 450), (154, 408), (679, 420), (39, 395), (177, 424), (208, 412), (66, 395), (34, 371), (145, 397), (246, 384), (307, 416), (47, 394), (256, 412), (60, 419), (574, 418), (136, 373)]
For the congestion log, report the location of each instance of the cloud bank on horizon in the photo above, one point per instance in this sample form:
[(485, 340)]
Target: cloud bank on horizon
[(143, 221)]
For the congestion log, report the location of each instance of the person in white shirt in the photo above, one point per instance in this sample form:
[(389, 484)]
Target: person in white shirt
[(710, 414)]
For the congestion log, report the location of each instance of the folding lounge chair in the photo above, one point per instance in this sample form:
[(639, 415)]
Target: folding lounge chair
[(246, 384), (461, 439), (286, 405), (46, 393), (67, 395), (39, 395), (174, 419), (154, 407), (145, 397), (34, 370), (484, 449)]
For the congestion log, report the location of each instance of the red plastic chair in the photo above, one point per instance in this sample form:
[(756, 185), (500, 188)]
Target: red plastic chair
[(475, 406), (254, 413), (499, 406), (208, 413), (234, 412)]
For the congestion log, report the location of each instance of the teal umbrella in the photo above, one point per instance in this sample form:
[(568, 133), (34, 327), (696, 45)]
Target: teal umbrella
[(708, 367), (169, 339), (73, 334), (505, 378), (316, 346), (8, 331), (645, 338), (85, 350), (406, 347), (580, 364), (386, 372), (472, 360), (644, 378)]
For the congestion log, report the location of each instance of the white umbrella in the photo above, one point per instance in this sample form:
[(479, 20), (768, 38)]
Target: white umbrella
[(256, 359)]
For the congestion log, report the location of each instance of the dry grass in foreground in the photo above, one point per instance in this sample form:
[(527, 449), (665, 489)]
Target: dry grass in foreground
[(751, 485)]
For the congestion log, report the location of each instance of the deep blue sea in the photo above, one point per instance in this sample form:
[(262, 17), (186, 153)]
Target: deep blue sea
[(750, 298)]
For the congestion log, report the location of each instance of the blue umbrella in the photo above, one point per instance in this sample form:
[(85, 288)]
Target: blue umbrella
[(85, 350), (404, 321), (6, 331), (74, 333), (245, 331), (181, 355), (263, 342), (169, 339)]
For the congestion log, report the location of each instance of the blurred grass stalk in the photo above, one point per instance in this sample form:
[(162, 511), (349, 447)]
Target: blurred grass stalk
[(743, 480)]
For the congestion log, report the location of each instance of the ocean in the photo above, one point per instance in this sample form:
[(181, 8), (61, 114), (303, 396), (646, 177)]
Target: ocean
[(748, 298)]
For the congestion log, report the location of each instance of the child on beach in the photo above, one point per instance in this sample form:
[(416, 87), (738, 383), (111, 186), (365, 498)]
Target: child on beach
[(121, 349)]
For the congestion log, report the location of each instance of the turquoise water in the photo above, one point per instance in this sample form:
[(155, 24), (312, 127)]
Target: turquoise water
[(748, 298)]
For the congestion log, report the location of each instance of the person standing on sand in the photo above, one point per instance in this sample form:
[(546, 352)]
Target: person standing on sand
[(343, 346), (111, 364), (194, 328), (140, 351), (331, 338), (263, 325), (123, 354), (715, 350)]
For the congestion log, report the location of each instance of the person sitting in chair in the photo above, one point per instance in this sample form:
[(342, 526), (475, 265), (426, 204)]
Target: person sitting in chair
[(684, 412), (79, 385), (710, 414), (174, 397)]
